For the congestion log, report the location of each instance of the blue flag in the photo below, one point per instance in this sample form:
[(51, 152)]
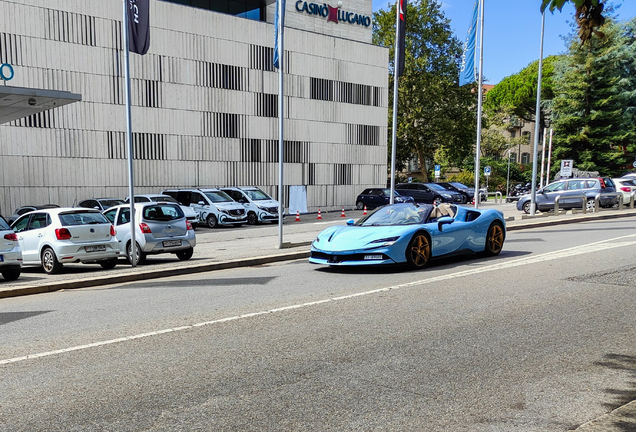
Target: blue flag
[(278, 20), (467, 72)]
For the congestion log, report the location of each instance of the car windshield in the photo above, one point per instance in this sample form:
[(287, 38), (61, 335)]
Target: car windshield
[(257, 195), (398, 214), (82, 218), (163, 198), (3, 224), (459, 185), (162, 212), (435, 186), (107, 203), (218, 196)]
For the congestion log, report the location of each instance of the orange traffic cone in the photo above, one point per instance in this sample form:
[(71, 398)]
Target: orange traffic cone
[(319, 215), (365, 210), (297, 216), (342, 215)]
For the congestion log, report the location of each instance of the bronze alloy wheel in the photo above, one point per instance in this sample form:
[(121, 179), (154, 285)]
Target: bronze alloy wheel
[(495, 239), (418, 252)]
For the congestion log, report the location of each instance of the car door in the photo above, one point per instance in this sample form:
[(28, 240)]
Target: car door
[(573, 195), (545, 199), (425, 193), (32, 237), (204, 208), (376, 198)]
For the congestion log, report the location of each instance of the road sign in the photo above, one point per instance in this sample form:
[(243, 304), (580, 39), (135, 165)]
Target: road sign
[(487, 171), (566, 167), (634, 164), (438, 170)]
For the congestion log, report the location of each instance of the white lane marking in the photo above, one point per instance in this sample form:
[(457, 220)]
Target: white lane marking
[(563, 253)]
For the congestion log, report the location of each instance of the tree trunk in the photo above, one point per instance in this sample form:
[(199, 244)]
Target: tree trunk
[(422, 161)]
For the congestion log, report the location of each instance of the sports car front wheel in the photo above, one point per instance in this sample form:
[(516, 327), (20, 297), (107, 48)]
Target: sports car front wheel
[(494, 239), (418, 252)]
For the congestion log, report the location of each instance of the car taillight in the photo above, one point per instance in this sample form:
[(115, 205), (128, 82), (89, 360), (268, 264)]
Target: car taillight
[(188, 225), (626, 189), (113, 232), (602, 183), (145, 229), (12, 237), (62, 233)]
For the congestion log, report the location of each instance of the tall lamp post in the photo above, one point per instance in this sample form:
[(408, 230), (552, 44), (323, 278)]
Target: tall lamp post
[(508, 179)]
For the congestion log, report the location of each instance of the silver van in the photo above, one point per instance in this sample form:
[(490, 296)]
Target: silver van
[(215, 207)]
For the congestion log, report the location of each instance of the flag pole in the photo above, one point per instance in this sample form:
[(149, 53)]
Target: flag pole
[(396, 58), (480, 98), (537, 120), (281, 51), (131, 191)]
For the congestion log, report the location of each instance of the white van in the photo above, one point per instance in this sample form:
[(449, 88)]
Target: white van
[(214, 206), (260, 207)]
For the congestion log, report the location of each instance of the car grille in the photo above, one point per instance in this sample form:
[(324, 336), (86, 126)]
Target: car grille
[(341, 258), (272, 209), (238, 212)]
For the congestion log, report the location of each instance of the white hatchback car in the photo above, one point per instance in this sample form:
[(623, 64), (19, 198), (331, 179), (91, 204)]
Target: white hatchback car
[(10, 253), (159, 228), (53, 237), (625, 185)]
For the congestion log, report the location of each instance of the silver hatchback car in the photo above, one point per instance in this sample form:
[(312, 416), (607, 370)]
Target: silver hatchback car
[(10, 253), (159, 228)]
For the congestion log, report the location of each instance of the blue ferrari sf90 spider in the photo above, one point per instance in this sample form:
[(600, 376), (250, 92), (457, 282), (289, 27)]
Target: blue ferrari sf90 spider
[(412, 234)]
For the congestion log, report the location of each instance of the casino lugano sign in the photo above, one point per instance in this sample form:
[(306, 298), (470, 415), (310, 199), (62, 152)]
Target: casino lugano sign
[(6, 72), (334, 14)]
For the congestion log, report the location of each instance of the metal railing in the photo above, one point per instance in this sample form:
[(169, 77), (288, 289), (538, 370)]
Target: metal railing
[(498, 196), (597, 200), (582, 197)]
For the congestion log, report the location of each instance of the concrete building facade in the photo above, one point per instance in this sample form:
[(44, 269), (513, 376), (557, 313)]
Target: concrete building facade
[(204, 102)]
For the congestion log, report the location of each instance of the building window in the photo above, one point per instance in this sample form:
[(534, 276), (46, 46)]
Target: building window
[(526, 135), (525, 158)]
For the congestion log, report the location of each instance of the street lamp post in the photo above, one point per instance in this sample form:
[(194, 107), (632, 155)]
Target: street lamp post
[(508, 179)]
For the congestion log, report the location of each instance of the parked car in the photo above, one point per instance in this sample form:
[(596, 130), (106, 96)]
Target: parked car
[(625, 185), (412, 234), (29, 208), (260, 207), (191, 214), (56, 236), (376, 197), (159, 228), (10, 252), (100, 203), (215, 207), (467, 192), (428, 193), (569, 190)]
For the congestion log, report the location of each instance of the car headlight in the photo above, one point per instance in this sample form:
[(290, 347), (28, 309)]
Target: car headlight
[(389, 241), (224, 211), (447, 195), (399, 199)]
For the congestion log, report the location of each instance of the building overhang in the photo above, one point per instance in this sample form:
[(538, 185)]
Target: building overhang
[(19, 102)]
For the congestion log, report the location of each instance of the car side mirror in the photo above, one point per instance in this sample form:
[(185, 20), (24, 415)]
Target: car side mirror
[(350, 222), (446, 220), (201, 203)]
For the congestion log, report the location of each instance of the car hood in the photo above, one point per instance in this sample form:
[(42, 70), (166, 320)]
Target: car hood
[(229, 206), (267, 203), (342, 238)]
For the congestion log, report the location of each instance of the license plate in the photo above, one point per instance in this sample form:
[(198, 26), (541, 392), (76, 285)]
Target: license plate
[(373, 257), (169, 243), (100, 248)]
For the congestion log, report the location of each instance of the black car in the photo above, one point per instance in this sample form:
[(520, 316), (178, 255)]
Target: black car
[(29, 208), (466, 191), (376, 197), (430, 193)]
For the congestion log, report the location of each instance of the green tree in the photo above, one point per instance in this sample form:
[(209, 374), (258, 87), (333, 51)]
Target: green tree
[(518, 93), (591, 121), (434, 113)]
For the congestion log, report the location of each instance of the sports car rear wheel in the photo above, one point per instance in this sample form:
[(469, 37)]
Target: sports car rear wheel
[(494, 239), (418, 252)]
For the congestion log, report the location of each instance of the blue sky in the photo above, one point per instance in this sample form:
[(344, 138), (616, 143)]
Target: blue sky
[(513, 30)]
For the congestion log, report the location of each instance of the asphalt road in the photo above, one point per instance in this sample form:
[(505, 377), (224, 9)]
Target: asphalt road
[(541, 338)]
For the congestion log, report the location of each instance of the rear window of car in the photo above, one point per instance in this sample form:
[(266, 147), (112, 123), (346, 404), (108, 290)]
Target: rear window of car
[(608, 182), (82, 218), (162, 212), (3, 224)]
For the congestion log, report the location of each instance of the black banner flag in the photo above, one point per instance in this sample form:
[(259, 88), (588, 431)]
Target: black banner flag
[(138, 26), (401, 24)]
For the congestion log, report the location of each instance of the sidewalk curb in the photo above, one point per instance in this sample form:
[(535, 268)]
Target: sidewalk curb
[(620, 420)]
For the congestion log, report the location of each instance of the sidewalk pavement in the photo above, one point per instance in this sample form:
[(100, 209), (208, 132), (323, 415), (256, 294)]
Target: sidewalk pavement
[(224, 248)]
